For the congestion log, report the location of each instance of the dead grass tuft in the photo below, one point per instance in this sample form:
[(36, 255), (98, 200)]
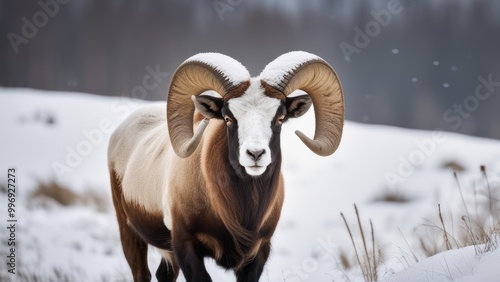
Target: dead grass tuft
[(345, 262), (453, 165), (393, 196), (57, 192), (3, 189), (48, 193), (479, 226)]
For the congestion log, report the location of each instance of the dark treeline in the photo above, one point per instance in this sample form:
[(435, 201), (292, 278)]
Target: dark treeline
[(416, 70)]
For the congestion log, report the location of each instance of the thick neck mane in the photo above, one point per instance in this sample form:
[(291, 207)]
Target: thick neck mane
[(241, 201), (252, 196)]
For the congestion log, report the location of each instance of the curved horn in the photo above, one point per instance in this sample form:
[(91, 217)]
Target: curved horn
[(201, 72), (310, 73)]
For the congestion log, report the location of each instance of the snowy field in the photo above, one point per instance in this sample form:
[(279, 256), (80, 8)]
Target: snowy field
[(397, 177)]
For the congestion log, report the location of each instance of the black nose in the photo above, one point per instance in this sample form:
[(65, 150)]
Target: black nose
[(255, 155)]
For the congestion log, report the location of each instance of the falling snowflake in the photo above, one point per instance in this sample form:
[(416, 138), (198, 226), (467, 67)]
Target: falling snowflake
[(436, 63), (446, 85), (395, 51), (414, 79)]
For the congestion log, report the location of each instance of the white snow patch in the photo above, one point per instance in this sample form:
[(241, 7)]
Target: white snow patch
[(231, 68), (461, 265), (274, 71)]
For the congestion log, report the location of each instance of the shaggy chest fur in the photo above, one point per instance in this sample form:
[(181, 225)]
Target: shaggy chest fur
[(243, 210), (215, 240)]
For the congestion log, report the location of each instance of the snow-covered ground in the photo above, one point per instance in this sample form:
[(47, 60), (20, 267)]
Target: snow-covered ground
[(62, 137)]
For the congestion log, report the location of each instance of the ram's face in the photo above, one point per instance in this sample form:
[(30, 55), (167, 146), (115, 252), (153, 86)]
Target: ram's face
[(253, 115), (253, 123)]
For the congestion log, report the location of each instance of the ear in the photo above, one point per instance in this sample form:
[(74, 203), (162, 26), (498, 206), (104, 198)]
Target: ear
[(208, 106), (297, 106)]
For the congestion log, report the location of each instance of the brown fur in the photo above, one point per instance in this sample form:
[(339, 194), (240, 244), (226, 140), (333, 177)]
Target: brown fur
[(273, 92), (237, 91), (134, 248)]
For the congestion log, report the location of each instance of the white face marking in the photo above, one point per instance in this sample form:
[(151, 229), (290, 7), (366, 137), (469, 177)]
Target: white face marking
[(254, 113)]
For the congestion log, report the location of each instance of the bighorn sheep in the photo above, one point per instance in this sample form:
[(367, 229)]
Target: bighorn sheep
[(218, 192)]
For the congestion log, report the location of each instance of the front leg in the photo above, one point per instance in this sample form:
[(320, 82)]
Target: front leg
[(190, 261), (253, 270)]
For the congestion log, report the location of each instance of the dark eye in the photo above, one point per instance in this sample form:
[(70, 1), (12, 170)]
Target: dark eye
[(280, 120), (229, 121)]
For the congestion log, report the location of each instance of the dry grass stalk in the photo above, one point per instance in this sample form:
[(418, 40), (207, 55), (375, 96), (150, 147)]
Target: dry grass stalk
[(370, 263), (408, 245), (353, 243), (445, 234), (490, 196)]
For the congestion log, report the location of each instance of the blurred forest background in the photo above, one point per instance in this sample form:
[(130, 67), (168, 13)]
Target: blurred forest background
[(425, 61)]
